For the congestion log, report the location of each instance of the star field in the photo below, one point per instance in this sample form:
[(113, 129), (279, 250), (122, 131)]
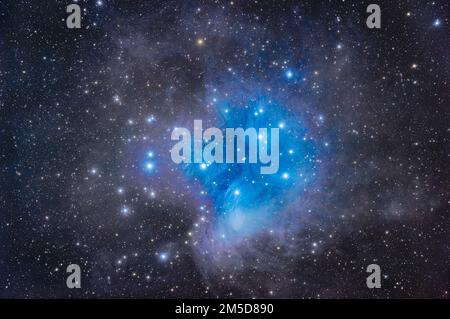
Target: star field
[(86, 174)]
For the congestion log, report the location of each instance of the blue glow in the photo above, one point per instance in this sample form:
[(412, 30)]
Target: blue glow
[(125, 210), (289, 74), (149, 166), (151, 119), (246, 202), (163, 256)]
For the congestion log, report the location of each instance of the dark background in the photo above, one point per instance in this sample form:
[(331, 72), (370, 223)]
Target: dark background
[(386, 172)]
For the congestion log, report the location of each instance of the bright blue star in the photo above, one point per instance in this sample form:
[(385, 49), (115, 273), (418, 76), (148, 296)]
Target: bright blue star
[(125, 210), (289, 74), (149, 166), (151, 119), (163, 256)]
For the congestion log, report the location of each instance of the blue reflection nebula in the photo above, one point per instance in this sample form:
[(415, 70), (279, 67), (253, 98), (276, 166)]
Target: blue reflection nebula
[(246, 202)]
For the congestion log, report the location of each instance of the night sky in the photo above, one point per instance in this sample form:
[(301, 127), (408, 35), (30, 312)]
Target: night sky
[(86, 175)]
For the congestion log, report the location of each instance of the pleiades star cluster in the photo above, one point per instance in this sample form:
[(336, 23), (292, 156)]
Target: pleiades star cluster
[(85, 137)]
